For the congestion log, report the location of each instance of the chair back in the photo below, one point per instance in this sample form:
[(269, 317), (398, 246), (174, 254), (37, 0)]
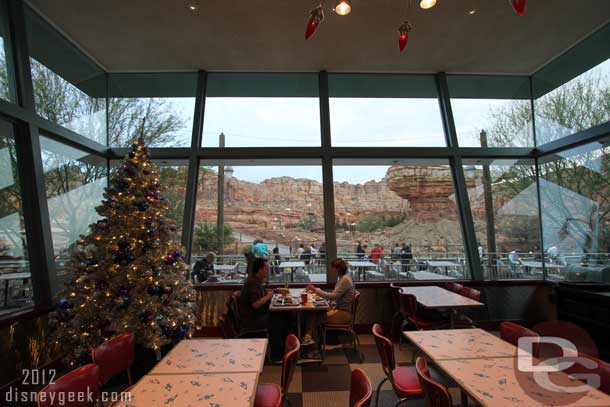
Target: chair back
[(386, 351), (84, 380), (289, 363), (602, 370), (395, 294), (471, 293), (361, 390), (114, 356), (511, 332), (355, 305), (454, 287), (436, 394), (408, 305)]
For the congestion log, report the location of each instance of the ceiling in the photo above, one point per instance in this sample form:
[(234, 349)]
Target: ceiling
[(257, 35)]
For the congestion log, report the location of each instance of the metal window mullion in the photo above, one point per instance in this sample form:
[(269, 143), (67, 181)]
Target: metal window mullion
[(459, 181), (537, 175), (327, 175), (190, 199)]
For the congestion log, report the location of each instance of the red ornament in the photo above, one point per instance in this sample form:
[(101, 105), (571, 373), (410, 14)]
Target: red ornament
[(519, 6), (403, 35), (315, 18)]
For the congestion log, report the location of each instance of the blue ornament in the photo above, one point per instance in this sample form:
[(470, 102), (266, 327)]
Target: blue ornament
[(122, 292), (90, 262), (123, 244), (130, 258), (165, 330), (154, 290), (179, 332), (65, 304)]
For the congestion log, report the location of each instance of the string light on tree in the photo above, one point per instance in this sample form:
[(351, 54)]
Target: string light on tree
[(128, 271)]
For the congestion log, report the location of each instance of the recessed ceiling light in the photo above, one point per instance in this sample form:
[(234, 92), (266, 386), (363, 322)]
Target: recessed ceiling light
[(426, 4), (471, 12), (192, 7)]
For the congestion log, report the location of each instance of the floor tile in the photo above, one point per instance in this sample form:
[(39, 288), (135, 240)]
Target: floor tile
[(369, 353), (294, 399), (326, 399), (325, 378), (335, 357)]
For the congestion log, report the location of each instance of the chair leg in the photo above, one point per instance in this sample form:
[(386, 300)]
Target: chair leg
[(129, 379), (356, 341), (400, 401), (378, 390), (322, 343), (400, 335)]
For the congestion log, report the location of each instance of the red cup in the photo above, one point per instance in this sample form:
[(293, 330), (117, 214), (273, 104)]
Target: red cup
[(303, 298)]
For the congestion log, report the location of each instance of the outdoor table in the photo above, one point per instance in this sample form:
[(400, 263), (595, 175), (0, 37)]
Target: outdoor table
[(433, 297), (426, 275), (451, 344), (361, 266), (182, 390), (538, 265), (432, 264), (214, 356), (225, 267), (493, 382), (12, 276), (292, 265)]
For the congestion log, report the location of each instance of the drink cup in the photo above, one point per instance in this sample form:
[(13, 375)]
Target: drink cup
[(303, 297)]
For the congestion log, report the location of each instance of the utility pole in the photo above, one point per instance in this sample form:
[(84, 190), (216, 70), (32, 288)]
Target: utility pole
[(220, 215), (489, 212)]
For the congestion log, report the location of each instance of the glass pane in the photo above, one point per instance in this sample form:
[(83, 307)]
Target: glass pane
[(61, 102), (6, 81), (75, 182), (262, 110), (575, 199), (384, 111), (164, 102), (16, 288), (388, 220), (69, 89), (577, 105), (491, 111), (281, 205), (504, 203)]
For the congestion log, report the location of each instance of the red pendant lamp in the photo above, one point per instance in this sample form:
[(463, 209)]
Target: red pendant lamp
[(403, 35), (519, 6), (315, 18)]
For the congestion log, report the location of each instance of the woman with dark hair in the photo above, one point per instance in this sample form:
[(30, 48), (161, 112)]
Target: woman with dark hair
[(341, 299), (254, 301)]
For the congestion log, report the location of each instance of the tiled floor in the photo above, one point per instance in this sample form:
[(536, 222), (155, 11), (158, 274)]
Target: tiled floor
[(327, 384)]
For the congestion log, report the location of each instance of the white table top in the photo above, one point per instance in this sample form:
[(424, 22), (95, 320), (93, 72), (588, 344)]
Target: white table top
[(442, 263), (15, 276), (538, 265), (355, 263), (296, 264), (224, 267), (426, 275), (437, 297)]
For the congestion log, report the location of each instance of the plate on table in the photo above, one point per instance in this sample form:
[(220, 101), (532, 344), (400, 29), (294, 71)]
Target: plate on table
[(280, 301)]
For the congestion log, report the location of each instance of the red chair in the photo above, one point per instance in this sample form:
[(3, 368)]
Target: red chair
[(602, 370), (240, 331), (84, 380), (436, 394), (115, 356), (395, 290), (272, 395), (361, 390), (454, 287), (419, 318), (511, 332), (463, 321), (470, 293), (403, 378), (349, 328)]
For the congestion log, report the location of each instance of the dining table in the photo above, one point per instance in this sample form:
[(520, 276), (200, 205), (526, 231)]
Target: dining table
[(362, 267), (208, 372), (437, 298), (486, 368)]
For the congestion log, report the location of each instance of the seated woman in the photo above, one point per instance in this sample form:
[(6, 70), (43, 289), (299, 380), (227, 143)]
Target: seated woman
[(341, 299), (254, 301)]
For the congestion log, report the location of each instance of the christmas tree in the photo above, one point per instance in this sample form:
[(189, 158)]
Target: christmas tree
[(129, 274)]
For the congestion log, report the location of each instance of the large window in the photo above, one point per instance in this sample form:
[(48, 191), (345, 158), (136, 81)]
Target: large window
[(160, 107), (6, 85), (504, 202), (69, 89), (575, 199), (491, 111), (400, 218), (75, 182), (16, 289), (384, 111), (262, 110), (282, 205)]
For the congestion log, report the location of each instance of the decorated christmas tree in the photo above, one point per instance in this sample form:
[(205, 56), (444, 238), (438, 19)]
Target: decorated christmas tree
[(129, 274)]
